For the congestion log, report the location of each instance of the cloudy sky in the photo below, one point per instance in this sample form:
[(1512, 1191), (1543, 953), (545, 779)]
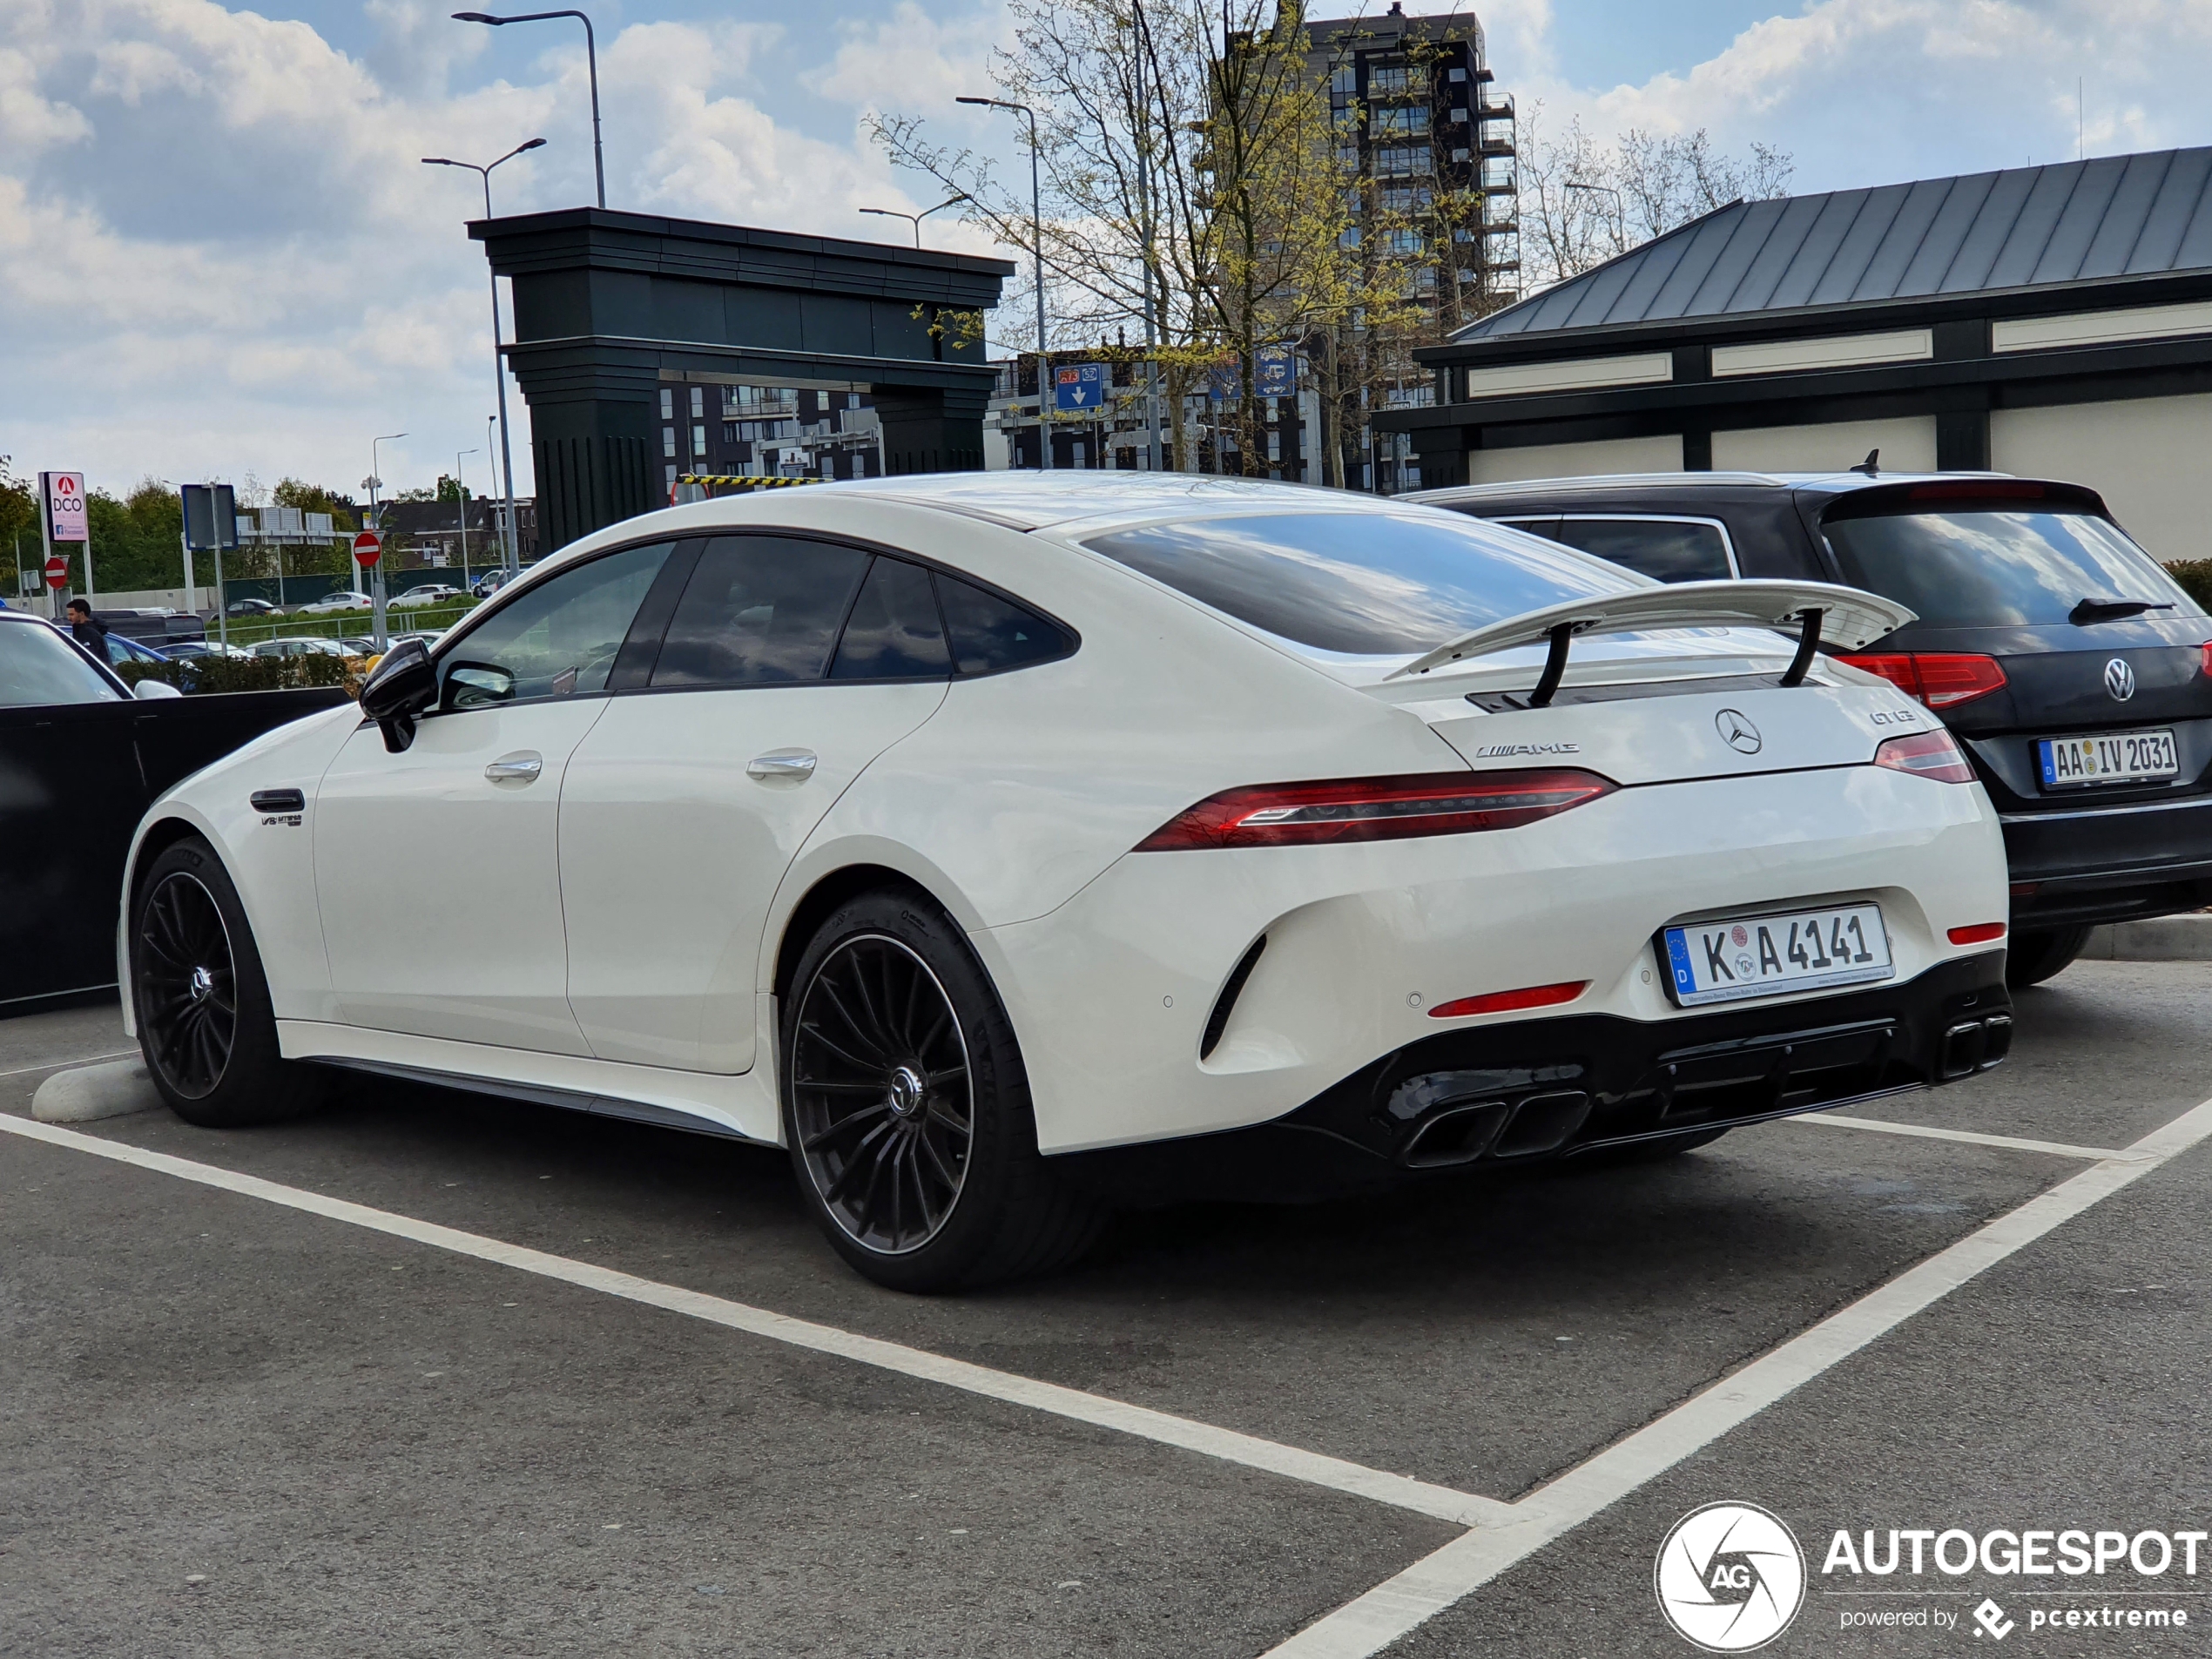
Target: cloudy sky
[(220, 255)]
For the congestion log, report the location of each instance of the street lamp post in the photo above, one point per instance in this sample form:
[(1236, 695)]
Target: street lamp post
[(375, 481), (591, 58), (498, 365), (1036, 237), (915, 218), (462, 490)]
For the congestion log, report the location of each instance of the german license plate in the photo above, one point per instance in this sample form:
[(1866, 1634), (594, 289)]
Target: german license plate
[(2108, 757), (1766, 955)]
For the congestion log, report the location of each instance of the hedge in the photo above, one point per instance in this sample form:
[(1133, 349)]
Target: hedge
[(212, 674)]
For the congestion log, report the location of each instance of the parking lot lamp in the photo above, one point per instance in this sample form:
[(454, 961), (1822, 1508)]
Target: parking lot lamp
[(462, 490), (1036, 237), (915, 218), (498, 363), (591, 58), (375, 481)]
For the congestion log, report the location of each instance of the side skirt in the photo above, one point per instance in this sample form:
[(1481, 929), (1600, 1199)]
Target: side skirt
[(740, 1106)]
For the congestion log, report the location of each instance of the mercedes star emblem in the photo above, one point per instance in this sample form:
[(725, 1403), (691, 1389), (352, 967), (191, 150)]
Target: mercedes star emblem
[(2119, 679), (1736, 732)]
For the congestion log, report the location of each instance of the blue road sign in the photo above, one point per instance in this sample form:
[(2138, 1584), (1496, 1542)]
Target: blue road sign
[(1225, 381), (1274, 372), (1081, 386)]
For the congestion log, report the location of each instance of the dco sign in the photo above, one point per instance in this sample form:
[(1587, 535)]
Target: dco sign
[(66, 520)]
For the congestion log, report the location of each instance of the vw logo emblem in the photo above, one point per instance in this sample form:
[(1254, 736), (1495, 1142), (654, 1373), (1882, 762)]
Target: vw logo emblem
[(2119, 679), (1738, 732)]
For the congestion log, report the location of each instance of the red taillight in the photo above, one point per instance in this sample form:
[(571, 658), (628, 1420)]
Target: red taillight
[(1940, 679), (1532, 996), (1980, 934), (2025, 889), (1375, 809), (2206, 650), (1926, 754)]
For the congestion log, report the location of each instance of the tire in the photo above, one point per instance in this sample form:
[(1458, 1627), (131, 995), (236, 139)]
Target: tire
[(2030, 958), (908, 1112), (205, 1025)]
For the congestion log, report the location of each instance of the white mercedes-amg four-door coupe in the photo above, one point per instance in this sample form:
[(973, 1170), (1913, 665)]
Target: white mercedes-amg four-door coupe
[(1008, 845)]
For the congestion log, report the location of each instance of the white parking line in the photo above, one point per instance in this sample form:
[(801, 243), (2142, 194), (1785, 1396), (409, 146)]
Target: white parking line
[(1314, 1468), (1970, 1137), (1372, 1622), (63, 1065)]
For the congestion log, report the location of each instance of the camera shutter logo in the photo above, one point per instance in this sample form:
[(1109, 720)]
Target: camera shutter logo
[(1729, 1577), (2119, 679)]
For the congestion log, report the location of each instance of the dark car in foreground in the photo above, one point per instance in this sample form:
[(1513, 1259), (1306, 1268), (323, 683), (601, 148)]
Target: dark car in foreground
[(81, 755), (2074, 668)]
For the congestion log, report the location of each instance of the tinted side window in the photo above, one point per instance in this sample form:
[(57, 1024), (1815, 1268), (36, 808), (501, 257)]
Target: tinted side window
[(893, 632), (37, 665), (759, 611), (989, 633), (558, 640), (1652, 547)]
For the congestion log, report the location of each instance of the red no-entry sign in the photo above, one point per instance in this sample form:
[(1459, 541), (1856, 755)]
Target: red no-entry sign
[(58, 574), (369, 547)]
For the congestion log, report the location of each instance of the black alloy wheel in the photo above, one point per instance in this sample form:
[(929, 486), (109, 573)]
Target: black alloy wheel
[(187, 990), (205, 1022), (883, 1098), (907, 1109)]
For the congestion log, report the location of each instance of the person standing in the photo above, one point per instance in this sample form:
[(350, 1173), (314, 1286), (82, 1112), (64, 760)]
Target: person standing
[(87, 630)]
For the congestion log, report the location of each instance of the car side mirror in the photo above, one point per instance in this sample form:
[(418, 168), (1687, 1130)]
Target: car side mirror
[(404, 684), (147, 689)]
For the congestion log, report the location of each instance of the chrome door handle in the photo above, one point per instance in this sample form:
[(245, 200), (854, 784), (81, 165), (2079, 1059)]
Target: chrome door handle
[(781, 766), (515, 769)]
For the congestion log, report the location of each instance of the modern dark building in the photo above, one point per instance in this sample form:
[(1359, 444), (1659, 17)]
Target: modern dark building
[(428, 533), (742, 430), (621, 319), (2051, 321)]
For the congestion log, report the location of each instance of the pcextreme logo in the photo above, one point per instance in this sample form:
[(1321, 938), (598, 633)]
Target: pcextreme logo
[(1729, 1577)]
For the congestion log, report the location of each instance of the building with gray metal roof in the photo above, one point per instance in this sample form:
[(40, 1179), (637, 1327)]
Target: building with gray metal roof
[(2054, 320)]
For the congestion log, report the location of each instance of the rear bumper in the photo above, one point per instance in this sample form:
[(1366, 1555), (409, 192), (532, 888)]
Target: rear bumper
[(1540, 1091), (2096, 864)]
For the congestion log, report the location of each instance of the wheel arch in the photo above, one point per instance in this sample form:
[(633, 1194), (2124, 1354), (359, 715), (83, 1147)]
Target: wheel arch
[(814, 907)]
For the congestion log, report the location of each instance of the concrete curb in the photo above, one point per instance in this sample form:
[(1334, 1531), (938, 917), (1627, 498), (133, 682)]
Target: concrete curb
[(2164, 939), (83, 1094)]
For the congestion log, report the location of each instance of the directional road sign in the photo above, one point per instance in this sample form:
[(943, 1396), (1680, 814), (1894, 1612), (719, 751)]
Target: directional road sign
[(1081, 386)]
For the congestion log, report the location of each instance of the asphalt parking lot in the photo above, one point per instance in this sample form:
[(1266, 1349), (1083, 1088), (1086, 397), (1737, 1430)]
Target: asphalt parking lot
[(239, 1415)]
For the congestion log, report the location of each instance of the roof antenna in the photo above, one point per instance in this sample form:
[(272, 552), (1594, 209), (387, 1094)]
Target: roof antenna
[(1867, 465)]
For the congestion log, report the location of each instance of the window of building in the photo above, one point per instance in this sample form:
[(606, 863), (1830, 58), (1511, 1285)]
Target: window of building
[(1274, 444), (1407, 121), (1406, 199), (699, 440), (1456, 75), (668, 442), (698, 402), (1402, 159), (1348, 155), (667, 403), (1343, 81), (669, 477), (1396, 80), (851, 400)]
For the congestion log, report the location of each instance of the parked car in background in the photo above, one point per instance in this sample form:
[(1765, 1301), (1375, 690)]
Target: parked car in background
[(997, 843), (428, 593), (188, 647), (300, 645), (332, 605), (2074, 668), (489, 583), (251, 607), (357, 645)]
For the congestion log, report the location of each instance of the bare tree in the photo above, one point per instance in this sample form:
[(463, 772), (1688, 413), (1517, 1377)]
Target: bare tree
[(1582, 203)]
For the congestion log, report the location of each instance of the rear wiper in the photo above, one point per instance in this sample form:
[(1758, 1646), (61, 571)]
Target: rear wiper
[(2095, 610)]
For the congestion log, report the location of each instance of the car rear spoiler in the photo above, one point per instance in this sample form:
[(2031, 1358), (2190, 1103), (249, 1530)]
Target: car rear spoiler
[(1846, 616)]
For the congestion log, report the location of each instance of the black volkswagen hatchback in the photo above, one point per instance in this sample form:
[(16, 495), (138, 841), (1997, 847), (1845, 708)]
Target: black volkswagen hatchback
[(2076, 671)]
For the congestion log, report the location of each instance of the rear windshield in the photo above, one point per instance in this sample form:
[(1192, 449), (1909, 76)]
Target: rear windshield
[(38, 666), (1372, 584), (1990, 568)]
